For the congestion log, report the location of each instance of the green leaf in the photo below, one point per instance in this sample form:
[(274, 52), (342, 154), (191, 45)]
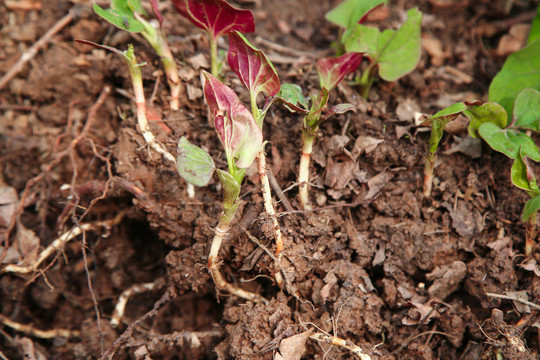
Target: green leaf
[(193, 163), (399, 51), (350, 12), (531, 208), (291, 95), (121, 16), (363, 39), (534, 33), (437, 131), (527, 110), (231, 188), (449, 113), (520, 71), (509, 141), (488, 112)]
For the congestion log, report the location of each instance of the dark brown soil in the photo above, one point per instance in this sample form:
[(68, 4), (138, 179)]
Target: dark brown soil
[(376, 264)]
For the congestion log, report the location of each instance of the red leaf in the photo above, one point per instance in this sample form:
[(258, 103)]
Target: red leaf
[(252, 67), (333, 70), (215, 16), (235, 125), (155, 7)]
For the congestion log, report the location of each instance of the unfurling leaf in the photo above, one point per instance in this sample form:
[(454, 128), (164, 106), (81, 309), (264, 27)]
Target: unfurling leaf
[(447, 114), (520, 71), (255, 71), (216, 17), (333, 70), (339, 109), (235, 125), (522, 175), (488, 112), (155, 7), (193, 163), (509, 141), (527, 110)]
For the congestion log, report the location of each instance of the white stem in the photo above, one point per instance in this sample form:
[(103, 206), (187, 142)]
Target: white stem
[(269, 207), (303, 174)]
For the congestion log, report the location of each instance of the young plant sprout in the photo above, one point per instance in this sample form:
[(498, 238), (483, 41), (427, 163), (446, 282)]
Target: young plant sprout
[(128, 15), (489, 121), (394, 53), (242, 140), (257, 74), (217, 18), (349, 13), (331, 72), (136, 79)]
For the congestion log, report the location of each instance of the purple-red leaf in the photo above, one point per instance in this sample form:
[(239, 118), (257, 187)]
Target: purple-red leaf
[(235, 125), (333, 70), (252, 67), (217, 17), (155, 7)]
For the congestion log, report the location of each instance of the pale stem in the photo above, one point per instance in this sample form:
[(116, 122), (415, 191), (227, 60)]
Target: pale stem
[(428, 174), (303, 171), (171, 71), (530, 235), (143, 122), (213, 259), (269, 207), (156, 38), (355, 349), (214, 56)]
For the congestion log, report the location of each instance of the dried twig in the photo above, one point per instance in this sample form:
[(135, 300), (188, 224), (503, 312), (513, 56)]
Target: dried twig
[(332, 340), (42, 334), (30, 53), (127, 334), (514, 298)]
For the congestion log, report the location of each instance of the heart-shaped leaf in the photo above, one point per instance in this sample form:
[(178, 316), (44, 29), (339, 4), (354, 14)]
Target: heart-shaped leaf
[(488, 112), (527, 110), (332, 70), (194, 164), (399, 51), (252, 67), (231, 188), (509, 141), (235, 125), (291, 96), (520, 71), (216, 17), (122, 14), (531, 208), (351, 12)]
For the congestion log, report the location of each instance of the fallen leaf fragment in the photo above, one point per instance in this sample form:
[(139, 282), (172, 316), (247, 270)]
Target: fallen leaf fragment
[(292, 348)]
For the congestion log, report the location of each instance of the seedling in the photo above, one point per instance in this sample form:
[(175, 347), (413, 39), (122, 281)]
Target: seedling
[(135, 71), (242, 140), (258, 75), (331, 72), (217, 18), (394, 53), (490, 122), (128, 15), (349, 13)]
